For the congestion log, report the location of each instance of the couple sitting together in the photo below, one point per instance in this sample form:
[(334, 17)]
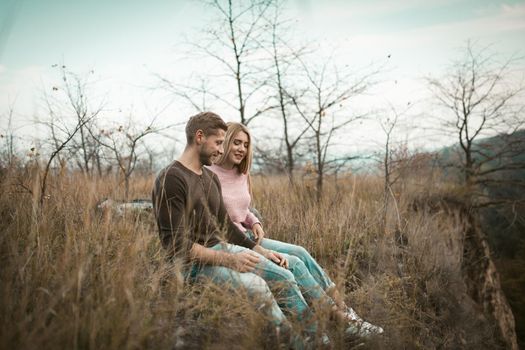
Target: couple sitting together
[(201, 203)]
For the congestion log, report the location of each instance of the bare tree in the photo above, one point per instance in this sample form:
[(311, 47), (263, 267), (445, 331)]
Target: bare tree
[(393, 159), (388, 126), (197, 95), (68, 116), (482, 97), (84, 148), (125, 142), (284, 60), (63, 132), (233, 41), (71, 99), (8, 136), (321, 105)]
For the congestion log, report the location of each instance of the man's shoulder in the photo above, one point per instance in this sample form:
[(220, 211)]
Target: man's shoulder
[(173, 171), (206, 171)]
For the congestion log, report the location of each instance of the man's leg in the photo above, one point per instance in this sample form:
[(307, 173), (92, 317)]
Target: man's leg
[(255, 286), (284, 286)]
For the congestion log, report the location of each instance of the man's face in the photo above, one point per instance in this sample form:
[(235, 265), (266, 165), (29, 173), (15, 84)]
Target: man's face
[(212, 146)]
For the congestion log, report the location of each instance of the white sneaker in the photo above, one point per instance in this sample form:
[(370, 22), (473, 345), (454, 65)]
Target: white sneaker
[(352, 315), (362, 329), (325, 340)]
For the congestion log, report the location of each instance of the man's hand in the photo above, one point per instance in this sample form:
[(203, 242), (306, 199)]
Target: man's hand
[(258, 232), (243, 261), (272, 256)]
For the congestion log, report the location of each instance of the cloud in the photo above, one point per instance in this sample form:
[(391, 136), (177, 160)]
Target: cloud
[(516, 10), (497, 26), (359, 9)]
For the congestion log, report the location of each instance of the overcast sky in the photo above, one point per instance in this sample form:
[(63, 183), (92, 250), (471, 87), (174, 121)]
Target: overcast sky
[(125, 41)]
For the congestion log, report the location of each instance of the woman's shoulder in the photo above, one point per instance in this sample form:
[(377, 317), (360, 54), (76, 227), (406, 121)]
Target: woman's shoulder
[(222, 173), (214, 168)]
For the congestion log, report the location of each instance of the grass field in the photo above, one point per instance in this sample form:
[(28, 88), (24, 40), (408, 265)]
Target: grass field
[(75, 278)]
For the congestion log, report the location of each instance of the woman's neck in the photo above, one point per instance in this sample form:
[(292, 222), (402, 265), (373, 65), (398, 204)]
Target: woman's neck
[(227, 165)]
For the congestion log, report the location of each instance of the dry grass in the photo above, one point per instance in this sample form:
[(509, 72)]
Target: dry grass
[(74, 279)]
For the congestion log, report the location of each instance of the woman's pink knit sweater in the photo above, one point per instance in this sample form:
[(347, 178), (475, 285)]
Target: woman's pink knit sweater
[(236, 196)]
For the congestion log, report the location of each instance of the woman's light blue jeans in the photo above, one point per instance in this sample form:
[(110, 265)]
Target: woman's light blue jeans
[(316, 271)]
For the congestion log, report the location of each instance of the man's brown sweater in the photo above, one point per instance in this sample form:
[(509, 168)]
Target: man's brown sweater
[(189, 209)]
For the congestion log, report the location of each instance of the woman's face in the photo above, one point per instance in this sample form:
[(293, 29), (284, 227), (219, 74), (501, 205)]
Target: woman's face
[(238, 148)]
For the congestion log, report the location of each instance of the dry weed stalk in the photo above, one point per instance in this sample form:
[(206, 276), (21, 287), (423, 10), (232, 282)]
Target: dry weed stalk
[(75, 279)]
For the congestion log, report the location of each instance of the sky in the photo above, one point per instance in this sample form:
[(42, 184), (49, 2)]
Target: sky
[(123, 43)]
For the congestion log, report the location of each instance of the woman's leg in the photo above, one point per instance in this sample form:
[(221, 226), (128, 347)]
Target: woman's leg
[(312, 279), (330, 298), (313, 267), (283, 285), (309, 286)]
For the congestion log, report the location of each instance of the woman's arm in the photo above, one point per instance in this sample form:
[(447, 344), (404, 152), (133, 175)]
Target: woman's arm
[(258, 232), (251, 220)]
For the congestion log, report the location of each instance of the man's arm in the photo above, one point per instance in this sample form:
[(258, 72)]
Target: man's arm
[(209, 256), (242, 262), (169, 200), (235, 235)]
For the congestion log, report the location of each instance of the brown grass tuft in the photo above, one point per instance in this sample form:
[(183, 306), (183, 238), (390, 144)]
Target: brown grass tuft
[(74, 278)]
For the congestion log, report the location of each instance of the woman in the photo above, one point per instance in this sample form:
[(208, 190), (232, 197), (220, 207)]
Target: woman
[(233, 169)]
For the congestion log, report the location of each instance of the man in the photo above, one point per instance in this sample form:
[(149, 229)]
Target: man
[(195, 228)]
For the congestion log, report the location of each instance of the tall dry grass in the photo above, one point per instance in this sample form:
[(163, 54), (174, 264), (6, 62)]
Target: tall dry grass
[(73, 278), (404, 274)]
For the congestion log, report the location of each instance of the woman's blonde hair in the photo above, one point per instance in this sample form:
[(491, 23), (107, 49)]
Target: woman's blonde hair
[(233, 128)]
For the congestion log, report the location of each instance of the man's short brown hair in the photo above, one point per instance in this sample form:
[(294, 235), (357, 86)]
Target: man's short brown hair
[(208, 122)]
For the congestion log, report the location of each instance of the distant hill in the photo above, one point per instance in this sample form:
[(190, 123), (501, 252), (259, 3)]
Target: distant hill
[(495, 151)]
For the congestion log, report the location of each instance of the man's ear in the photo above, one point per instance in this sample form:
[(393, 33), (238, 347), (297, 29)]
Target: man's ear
[(199, 137)]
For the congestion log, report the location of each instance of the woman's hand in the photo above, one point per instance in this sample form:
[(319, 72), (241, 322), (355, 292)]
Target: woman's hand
[(258, 232), (272, 256)]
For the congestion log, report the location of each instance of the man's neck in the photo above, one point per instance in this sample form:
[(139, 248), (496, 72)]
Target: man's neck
[(190, 159)]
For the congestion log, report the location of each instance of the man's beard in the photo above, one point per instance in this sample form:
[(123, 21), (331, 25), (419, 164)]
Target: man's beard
[(205, 158)]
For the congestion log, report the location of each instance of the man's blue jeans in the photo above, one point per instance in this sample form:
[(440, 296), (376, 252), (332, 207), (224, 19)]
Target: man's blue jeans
[(254, 285), (304, 279), (287, 285)]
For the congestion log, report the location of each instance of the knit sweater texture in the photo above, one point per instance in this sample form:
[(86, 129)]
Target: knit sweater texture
[(236, 195), (189, 209)]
